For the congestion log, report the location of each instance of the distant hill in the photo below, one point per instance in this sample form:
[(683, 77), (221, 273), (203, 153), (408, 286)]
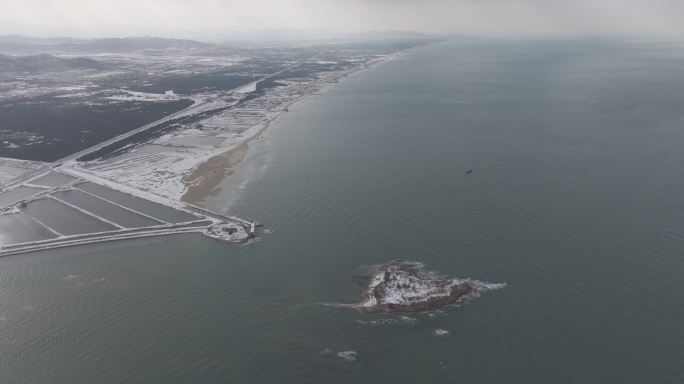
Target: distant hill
[(18, 40), (139, 43), (26, 45), (46, 63), (114, 44)]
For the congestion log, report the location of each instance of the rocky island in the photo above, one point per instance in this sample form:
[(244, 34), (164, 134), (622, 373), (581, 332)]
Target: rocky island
[(406, 286)]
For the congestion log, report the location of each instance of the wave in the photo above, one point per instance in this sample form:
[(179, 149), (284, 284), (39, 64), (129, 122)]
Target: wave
[(403, 320)]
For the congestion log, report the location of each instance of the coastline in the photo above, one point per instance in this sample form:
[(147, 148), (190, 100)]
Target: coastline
[(206, 178)]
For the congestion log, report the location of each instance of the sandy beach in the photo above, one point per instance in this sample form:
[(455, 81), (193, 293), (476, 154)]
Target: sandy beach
[(207, 177)]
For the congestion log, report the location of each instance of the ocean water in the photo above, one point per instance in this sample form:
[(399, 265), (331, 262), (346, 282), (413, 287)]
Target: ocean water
[(576, 202)]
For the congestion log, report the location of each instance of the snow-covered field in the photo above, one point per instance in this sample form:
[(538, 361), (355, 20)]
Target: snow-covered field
[(164, 163), (126, 95), (11, 168)]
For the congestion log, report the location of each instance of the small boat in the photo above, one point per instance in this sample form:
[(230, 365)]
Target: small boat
[(468, 172)]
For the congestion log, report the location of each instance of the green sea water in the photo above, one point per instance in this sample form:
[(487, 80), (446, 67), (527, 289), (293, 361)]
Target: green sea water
[(576, 202)]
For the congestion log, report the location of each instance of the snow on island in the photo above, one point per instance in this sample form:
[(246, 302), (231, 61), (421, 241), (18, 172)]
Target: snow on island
[(406, 286)]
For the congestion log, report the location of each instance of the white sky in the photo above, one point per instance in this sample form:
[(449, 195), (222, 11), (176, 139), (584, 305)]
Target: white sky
[(211, 18)]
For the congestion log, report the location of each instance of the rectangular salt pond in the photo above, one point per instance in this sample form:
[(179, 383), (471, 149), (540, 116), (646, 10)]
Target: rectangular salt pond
[(156, 210), (19, 228), (64, 219), (16, 195), (105, 209), (53, 179)]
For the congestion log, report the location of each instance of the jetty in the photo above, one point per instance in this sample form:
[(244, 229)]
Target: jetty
[(59, 207)]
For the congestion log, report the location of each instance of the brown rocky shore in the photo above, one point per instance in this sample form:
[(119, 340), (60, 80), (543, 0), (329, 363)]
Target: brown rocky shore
[(405, 286)]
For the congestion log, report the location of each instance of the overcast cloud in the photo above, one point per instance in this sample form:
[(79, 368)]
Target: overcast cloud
[(214, 18)]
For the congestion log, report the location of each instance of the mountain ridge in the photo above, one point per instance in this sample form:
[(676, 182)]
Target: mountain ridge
[(46, 63)]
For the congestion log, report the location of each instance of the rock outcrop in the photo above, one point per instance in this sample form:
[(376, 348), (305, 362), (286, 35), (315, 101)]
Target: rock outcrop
[(403, 286)]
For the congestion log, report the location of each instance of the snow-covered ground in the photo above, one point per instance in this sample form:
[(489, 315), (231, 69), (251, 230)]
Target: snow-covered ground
[(163, 164), (12, 168), (247, 88), (126, 95), (162, 172)]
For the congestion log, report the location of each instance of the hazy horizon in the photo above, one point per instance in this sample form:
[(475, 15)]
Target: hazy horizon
[(216, 19)]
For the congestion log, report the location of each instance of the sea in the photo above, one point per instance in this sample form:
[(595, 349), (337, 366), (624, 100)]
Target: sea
[(555, 166)]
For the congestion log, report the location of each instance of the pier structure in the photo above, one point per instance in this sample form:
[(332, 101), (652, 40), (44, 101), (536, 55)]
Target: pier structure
[(60, 207)]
